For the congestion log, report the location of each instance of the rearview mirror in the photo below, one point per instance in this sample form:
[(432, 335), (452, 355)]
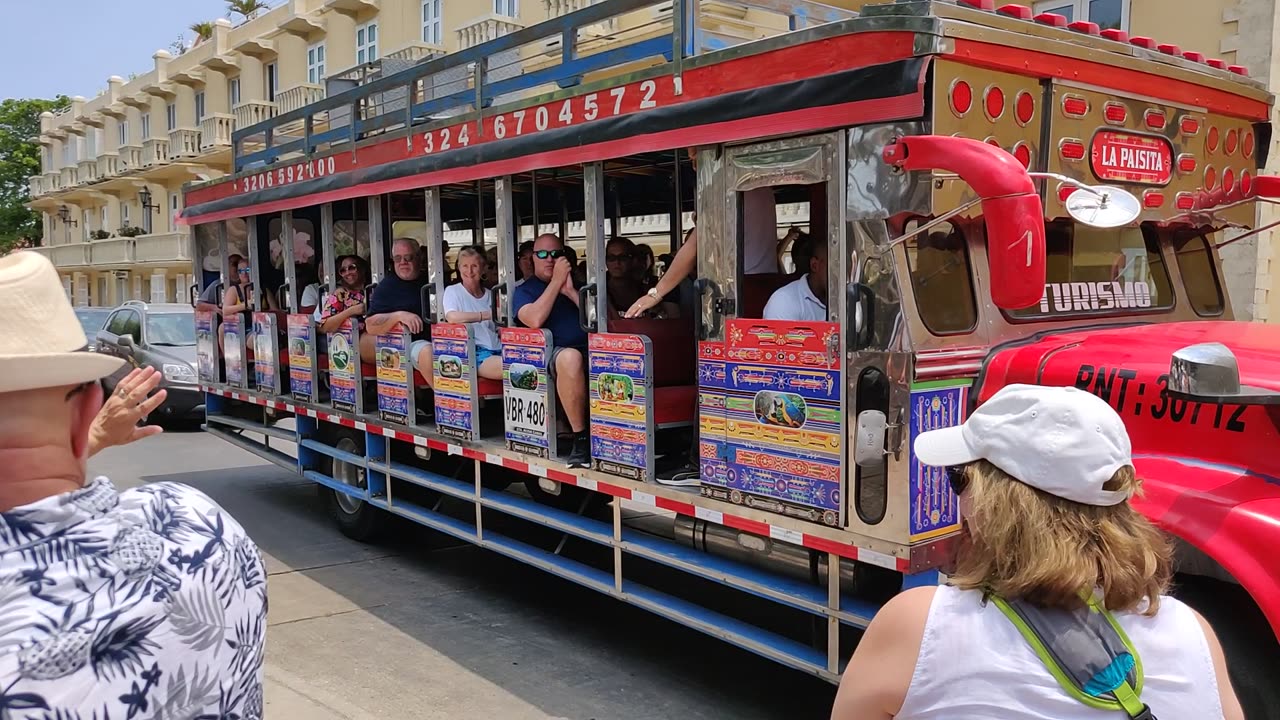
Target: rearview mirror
[(1208, 372), (125, 342), (869, 450)]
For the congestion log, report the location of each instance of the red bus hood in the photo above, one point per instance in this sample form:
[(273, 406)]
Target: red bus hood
[(1211, 473)]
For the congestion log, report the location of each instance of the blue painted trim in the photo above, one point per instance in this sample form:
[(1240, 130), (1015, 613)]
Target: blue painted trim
[(921, 579), (332, 484), (430, 480), (334, 453)]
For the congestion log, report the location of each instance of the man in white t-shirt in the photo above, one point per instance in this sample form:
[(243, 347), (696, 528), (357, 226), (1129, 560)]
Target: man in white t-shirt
[(804, 299)]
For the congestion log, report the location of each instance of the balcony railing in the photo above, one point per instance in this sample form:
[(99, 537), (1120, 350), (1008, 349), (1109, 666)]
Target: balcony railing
[(130, 158), (298, 97), (113, 251), (45, 251), (484, 29), (108, 165), (215, 131), (253, 112), (70, 177), (161, 248), (184, 143), (52, 181), (413, 52), (155, 152), (35, 185), (75, 254), (88, 171)]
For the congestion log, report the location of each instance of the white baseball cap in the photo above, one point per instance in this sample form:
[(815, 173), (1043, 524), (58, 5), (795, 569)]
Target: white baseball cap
[(1061, 440)]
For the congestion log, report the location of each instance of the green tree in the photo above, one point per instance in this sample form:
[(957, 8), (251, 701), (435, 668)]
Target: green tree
[(246, 8), (19, 160), (203, 30)]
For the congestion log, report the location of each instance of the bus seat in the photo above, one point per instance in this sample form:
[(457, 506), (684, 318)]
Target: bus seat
[(756, 291), (675, 368), (488, 389)]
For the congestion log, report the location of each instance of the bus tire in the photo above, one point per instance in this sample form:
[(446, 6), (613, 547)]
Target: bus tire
[(1248, 642), (355, 518)]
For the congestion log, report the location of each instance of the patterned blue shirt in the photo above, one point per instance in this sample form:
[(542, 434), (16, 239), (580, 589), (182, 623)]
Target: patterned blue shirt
[(150, 603)]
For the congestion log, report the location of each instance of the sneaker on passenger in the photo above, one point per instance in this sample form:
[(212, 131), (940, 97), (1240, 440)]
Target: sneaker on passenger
[(684, 476), (580, 456)]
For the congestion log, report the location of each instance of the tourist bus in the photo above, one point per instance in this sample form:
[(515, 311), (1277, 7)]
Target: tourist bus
[(1000, 197)]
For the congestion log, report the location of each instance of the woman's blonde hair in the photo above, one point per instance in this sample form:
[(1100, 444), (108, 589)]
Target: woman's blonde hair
[(1023, 543)]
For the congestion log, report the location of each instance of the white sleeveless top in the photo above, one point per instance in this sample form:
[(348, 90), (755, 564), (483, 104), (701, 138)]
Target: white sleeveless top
[(975, 665)]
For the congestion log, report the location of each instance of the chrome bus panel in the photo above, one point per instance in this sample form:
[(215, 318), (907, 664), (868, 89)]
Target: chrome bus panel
[(595, 199), (717, 260), (288, 256), (437, 272), (505, 209), (328, 261), (877, 190), (377, 240)]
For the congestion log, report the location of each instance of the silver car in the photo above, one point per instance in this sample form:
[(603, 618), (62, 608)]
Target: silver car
[(163, 336)]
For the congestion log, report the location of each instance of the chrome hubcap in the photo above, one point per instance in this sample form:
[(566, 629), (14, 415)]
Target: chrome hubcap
[(349, 474)]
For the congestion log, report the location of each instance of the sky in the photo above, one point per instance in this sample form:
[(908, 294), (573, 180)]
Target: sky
[(80, 43)]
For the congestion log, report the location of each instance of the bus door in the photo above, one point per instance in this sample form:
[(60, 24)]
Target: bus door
[(772, 396)]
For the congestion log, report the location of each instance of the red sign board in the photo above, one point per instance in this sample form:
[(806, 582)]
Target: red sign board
[(1129, 158)]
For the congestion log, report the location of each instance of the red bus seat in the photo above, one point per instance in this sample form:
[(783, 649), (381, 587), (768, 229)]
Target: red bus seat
[(675, 366), (756, 291), (489, 388)]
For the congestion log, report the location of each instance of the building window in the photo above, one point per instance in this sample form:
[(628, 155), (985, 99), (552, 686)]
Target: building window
[(233, 92), (124, 214), (431, 22), (92, 141), (315, 63), (367, 42), (124, 133), (171, 116), (509, 8), (199, 106), (273, 81), (1108, 14), (146, 126), (104, 218)]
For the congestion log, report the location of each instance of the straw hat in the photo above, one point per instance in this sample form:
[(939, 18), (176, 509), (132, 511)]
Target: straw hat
[(42, 344)]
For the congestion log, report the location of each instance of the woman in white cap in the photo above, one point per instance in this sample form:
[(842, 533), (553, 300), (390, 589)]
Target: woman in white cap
[(1057, 605)]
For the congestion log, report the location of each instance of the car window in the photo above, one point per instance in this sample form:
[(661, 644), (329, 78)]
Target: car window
[(92, 321), (174, 329), (116, 325), (1195, 262), (941, 279), (132, 325)]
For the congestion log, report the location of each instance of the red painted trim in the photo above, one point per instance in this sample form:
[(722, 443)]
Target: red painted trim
[(614, 490), (854, 113), (683, 508), (1046, 65), (751, 526)]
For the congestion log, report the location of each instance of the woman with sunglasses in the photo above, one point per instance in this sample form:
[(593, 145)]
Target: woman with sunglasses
[(239, 295), (348, 300), (1057, 604)]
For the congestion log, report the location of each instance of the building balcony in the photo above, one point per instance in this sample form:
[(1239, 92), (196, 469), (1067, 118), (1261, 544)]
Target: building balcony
[(298, 97), (88, 171), (71, 255), (45, 251), (70, 177), (161, 248), (184, 144), (413, 52), (486, 28), (130, 158), (52, 181), (35, 186), (112, 251), (108, 165), (253, 112), (155, 152), (215, 131)]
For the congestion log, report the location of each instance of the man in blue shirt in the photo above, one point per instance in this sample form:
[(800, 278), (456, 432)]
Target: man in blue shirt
[(398, 299), (548, 301)]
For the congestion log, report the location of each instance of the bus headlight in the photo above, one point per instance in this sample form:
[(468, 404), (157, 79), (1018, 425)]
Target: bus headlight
[(179, 373)]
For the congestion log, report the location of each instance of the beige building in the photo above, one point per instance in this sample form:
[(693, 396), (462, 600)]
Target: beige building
[(115, 164)]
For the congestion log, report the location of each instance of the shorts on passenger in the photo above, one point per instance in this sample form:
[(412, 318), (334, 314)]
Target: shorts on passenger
[(416, 347), (483, 354)]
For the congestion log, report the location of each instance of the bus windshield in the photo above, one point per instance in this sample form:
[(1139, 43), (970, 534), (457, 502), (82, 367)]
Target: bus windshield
[(1091, 271)]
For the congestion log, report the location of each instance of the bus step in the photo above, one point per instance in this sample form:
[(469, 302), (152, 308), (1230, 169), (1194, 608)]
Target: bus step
[(285, 461), (268, 430)]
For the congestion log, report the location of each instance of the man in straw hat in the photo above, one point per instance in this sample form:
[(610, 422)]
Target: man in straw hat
[(149, 602)]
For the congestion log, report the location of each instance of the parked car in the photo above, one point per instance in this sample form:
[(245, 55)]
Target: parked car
[(92, 319), (162, 336)]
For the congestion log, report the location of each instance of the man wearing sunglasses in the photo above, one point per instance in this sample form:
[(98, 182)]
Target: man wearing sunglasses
[(549, 301), (398, 299), (210, 300)]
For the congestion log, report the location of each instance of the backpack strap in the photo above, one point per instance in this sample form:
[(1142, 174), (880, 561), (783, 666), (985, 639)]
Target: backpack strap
[(1086, 651)]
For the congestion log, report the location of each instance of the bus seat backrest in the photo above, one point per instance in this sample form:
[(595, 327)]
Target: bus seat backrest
[(673, 344), (756, 291)]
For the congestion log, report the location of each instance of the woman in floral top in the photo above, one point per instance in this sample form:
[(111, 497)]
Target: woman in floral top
[(348, 300)]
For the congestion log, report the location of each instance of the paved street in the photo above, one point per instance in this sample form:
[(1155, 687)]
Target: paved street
[(424, 626)]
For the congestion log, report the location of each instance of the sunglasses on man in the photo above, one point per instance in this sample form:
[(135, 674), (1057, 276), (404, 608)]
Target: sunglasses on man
[(545, 254)]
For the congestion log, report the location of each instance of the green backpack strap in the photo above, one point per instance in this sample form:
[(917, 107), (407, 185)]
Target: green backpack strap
[(1086, 651)]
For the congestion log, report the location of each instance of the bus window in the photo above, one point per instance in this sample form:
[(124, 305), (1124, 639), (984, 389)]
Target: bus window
[(1101, 271), (1195, 263), (941, 280)]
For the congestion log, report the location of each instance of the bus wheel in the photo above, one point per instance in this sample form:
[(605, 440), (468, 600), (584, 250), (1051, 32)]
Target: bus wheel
[(1247, 640), (355, 518)]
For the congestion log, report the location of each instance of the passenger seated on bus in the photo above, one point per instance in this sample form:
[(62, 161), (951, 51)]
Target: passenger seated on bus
[(471, 302), (348, 301), (209, 300), (239, 297), (398, 299), (524, 262), (623, 284), (306, 277), (490, 277), (805, 298), (548, 300), (645, 266)]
